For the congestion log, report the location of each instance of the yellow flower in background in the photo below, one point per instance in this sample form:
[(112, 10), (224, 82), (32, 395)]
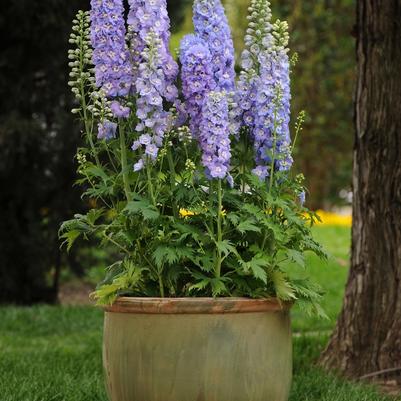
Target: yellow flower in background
[(334, 219), (186, 213), (328, 218)]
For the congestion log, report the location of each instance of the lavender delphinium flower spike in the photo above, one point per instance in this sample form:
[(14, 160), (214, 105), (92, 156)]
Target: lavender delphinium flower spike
[(263, 94), (258, 40), (197, 77), (151, 86), (110, 52), (147, 16), (281, 67), (214, 136), (210, 23), (155, 72), (270, 131)]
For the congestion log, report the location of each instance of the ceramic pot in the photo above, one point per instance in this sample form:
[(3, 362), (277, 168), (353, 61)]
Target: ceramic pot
[(197, 349)]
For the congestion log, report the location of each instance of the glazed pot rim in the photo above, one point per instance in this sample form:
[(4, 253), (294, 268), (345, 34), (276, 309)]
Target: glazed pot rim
[(189, 305)]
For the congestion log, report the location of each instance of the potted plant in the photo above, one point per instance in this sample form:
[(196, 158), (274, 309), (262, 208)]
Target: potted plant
[(188, 170)]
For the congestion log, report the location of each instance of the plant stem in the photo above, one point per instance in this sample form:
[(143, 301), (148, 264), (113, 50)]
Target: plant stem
[(298, 128), (124, 165), (295, 140), (93, 186), (161, 285), (219, 230), (211, 205), (172, 180), (116, 244), (264, 242), (150, 185), (243, 161), (111, 159), (88, 129), (274, 150)]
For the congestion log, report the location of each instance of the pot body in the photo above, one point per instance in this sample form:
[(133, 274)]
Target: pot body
[(197, 350)]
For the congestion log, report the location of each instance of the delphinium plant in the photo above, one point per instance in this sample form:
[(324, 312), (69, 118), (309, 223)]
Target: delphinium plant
[(187, 165)]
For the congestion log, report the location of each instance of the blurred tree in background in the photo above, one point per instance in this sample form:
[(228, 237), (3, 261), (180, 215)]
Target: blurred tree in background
[(323, 86), (38, 135), (38, 139)]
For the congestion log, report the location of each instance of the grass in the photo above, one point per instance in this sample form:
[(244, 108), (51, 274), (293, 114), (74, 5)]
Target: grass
[(54, 353), (331, 275), (51, 354)]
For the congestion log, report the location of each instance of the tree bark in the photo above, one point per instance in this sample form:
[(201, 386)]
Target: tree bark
[(367, 337)]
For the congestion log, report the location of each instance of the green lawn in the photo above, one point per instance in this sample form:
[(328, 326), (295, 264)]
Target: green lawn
[(54, 353), (331, 275)]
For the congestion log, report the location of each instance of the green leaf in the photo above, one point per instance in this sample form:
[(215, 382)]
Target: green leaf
[(226, 247), (70, 237), (282, 287), (99, 191), (161, 253), (187, 229), (171, 254), (233, 218), (78, 223), (161, 176), (95, 171), (106, 294), (258, 267), (274, 228), (252, 209), (129, 279), (218, 287), (112, 271), (296, 256), (248, 225), (205, 263), (312, 308), (313, 246), (148, 211), (93, 215), (199, 286), (122, 237)]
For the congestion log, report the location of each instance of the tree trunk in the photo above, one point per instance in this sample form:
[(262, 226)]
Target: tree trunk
[(367, 337)]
